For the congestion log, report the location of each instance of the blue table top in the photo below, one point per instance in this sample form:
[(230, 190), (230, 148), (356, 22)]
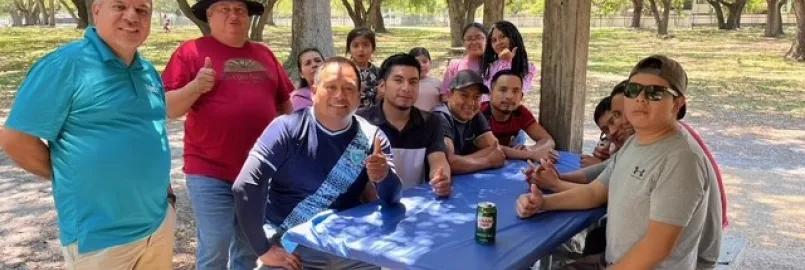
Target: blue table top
[(426, 232)]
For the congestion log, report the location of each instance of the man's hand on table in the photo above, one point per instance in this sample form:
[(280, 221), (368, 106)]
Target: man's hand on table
[(497, 156), (543, 152), (530, 203), (587, 161), (279, 257), (441, 183), (545, 176), (376, 164)]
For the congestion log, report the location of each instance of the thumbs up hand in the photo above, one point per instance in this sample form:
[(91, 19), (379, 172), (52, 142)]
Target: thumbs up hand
[(530, 203), (441, 183), (205, 78), (376, 164), (507, 54)]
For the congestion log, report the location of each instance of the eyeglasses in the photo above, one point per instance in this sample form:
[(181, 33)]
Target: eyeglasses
[(474, 38), (653, 92), (237, 11)]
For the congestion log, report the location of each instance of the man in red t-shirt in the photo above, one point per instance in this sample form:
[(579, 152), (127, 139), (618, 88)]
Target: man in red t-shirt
[(507, 117), (230, 89)]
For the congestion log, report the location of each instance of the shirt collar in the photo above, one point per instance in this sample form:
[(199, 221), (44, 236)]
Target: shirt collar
[(106, 53), (377, 115)]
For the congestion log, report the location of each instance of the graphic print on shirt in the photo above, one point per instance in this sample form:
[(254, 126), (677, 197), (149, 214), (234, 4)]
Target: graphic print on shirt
[(245, 70), (638, 172), (369, 82)]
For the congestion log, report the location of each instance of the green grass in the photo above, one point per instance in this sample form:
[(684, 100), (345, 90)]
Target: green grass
[(731, 71)]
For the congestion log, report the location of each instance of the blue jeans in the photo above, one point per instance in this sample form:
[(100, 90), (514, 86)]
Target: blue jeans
[(220, 239), (317, 260)]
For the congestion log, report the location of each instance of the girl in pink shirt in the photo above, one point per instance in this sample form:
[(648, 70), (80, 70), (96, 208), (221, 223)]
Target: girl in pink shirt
[(429, 93), (307, 62), (474, 44), (505, 49)]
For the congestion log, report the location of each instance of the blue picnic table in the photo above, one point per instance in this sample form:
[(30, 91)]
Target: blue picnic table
[(425, 232)]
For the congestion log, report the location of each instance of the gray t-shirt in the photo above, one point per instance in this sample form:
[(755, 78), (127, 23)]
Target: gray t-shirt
[(710, 244), (667, 181)]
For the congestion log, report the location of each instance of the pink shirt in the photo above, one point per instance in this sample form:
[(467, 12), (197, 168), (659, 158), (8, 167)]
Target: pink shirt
[(454, 67), (505, 64), (724, 221), (301, 98), (429, 94)]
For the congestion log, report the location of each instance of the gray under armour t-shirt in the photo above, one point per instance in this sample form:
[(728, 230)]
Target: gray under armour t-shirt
[(710, 244), (667, 181)]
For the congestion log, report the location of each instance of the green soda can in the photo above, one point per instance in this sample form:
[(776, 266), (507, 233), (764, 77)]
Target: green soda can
[(486, 223)]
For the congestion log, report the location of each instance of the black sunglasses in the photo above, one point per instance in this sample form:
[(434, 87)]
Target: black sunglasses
[(653, 92)]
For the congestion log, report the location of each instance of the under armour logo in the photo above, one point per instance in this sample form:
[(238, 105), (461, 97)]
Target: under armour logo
[(638, 172)]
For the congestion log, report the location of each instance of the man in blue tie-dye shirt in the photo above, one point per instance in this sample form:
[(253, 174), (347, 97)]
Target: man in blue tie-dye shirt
[(319, 158)]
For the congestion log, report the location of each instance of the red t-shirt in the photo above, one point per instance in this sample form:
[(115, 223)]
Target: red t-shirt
[(724, 218), (506, 131), (223, 124)]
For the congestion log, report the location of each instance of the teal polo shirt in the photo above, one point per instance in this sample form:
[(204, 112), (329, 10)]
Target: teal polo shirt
[(105, 126)]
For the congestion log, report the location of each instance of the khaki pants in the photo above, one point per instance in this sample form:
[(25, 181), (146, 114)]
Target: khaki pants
[(153, 252)]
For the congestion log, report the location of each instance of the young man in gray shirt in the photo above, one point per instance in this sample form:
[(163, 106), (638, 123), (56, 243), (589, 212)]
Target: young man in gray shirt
[(656, 187)]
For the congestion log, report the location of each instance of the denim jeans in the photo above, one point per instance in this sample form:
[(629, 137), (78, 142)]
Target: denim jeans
[(220, 239)]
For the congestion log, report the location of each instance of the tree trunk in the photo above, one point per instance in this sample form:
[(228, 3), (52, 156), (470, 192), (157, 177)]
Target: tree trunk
[(471, 7), (269, 13), (637, 13), (44, 12), (797, 51), (736, 10), (457, 13), (16, 17), (88, 7), (774, 27), (780, 17), (565, 45), (357, 12), (69, 9), (735, 13), (83, 16), (259, 22), (716, 4), (661, 19), (188, 12), (310, 28), (461, 12), (377, 17), (52, 13), (493, 11)]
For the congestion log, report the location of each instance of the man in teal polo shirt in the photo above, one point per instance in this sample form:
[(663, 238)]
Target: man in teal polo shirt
[(101, 108)]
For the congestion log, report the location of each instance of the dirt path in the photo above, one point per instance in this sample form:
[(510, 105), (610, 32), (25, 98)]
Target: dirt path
[(761, 156)]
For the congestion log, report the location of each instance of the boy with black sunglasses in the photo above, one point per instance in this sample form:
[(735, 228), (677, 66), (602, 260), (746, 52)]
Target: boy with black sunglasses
[(656, 187)]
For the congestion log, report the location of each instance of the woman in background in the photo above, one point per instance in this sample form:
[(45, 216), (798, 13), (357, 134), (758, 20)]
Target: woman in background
[(474, 43), (308, 62), (505, 49)]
